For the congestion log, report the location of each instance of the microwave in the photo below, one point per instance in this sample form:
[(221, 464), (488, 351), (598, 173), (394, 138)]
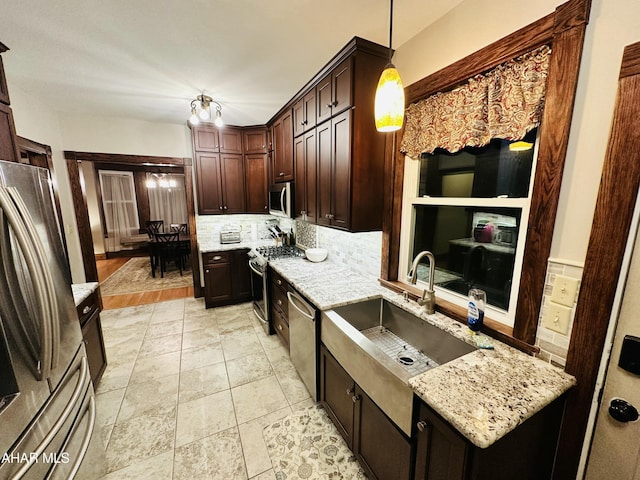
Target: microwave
[(280, 198)]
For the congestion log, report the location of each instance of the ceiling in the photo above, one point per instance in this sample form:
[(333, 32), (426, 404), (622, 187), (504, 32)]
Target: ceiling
[(147, 60)]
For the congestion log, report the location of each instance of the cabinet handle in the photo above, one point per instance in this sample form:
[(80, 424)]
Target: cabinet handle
[(206, 271), (329, 216), (279, 302), (279, 282), (334, 103), (217, 257), (422, 425), (302, 212), (356, 398), (350, 391), (265, 207), (329, 105), (302, 123), (281, 174), (86, 310), (280, 327)]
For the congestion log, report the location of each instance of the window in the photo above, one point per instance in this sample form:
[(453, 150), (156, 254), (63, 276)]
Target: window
[(120, 207), (470, 209)]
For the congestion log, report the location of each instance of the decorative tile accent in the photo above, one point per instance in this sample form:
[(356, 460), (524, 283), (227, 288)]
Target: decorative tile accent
[(305, 234), (554, 346)]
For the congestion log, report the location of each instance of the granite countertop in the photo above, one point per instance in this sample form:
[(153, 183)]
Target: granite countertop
[(82, 290), (484, 394)]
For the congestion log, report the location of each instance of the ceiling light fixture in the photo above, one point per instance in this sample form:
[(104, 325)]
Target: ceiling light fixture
[(389, 102), (201, 110)]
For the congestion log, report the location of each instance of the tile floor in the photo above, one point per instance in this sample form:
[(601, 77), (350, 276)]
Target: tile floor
[(188, 391)]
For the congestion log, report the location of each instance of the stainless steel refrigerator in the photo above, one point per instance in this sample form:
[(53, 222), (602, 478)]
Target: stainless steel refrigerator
[(47, 403)]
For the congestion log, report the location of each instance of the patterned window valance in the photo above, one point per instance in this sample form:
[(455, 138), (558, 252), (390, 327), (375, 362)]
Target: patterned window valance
[(506, 103)]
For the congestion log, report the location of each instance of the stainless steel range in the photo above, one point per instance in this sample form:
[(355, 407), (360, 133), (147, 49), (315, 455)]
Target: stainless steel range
[(258, 262)]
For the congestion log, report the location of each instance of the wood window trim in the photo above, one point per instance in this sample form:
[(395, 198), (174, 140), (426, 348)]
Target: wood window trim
[(80, 203), (564, 31), (618, 192)]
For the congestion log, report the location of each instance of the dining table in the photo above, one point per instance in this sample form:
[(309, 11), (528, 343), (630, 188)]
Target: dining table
[(180, 248)]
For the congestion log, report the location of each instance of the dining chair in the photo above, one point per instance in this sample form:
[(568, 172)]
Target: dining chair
[(154, 226), (168, 248), (179, 228)]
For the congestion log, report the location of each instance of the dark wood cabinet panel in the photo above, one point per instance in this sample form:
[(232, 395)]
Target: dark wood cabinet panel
[(324, 100), (341, 171), (4, 91), (336, 391), (255, 140), (208, 183), (279, 306), (241, 276), (341, 86), (94, 345), (378, 444), (255, 170), (227, 277), (206, 139), (304, 113), (305, 177), (8, 142), (324, 173), (525, 453), (232, 177), (217, 284), (230, 140), (282, 154)]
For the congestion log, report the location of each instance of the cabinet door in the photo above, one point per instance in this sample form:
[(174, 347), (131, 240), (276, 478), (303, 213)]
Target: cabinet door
[(4, 91), (285, 167), (341, 87), (298, 118), (341, 174), (230, 140), (311, 203), (232, 174), (255, 167), (8, 143), (324, 100), (255, 140), (241, 275), (208, 184), (94, 344), (441, 454), (337, 390), (205, 139), (300, 176), (217, 284), (324, 183), (378, 444)]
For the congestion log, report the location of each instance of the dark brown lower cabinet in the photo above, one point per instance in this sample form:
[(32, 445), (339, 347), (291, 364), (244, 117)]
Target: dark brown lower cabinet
[(525, 453), (380, 447), (89, 317), (227, 278)]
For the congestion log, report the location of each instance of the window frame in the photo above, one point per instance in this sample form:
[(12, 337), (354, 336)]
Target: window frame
[(408, 224), (134, 199), (564, 31)]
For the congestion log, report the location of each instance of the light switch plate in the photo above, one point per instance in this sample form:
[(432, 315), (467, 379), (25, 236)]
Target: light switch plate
[(564, 290), (556, 317)]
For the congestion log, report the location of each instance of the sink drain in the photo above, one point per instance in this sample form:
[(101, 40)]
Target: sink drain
[(405, 360)]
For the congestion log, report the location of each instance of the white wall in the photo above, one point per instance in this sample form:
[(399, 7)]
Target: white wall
[(33, 120), (85, 133), (613, 25)]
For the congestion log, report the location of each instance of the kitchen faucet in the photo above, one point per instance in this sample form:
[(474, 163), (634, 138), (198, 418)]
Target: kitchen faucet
[(428, 298)]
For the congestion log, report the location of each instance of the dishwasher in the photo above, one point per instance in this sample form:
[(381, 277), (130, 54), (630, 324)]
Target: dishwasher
[(302, 339)]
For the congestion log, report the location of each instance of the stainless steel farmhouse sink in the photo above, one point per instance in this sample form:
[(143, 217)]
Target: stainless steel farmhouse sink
[(381, 346)]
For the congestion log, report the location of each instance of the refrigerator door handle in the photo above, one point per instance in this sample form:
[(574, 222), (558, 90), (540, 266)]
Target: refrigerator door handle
[(50, 297), (39, 272), (83, 382)]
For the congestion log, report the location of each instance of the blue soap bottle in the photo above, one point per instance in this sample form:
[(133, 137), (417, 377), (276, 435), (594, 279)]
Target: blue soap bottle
[(475, 311)]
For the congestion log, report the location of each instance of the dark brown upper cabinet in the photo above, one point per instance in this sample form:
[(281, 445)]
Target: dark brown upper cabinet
[(282, 148), (205, 139), (230, 140), (304, 113), (255, 170), (306, 167), (8, 141), (220, 183), (4, 91), (255, 140)]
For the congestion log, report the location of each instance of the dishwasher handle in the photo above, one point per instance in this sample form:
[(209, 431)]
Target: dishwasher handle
[(293, 298)]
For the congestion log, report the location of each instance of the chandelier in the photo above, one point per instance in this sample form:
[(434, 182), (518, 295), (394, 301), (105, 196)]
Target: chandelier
[(201, 110)]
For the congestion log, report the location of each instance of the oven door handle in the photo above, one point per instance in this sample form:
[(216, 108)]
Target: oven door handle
[(257, 272)]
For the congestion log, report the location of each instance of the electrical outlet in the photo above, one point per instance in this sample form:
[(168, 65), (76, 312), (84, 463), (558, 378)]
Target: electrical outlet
[(556, 317), (564, 290)]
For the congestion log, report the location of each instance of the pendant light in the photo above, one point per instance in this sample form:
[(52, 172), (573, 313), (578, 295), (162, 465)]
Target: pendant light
[(389, 102)]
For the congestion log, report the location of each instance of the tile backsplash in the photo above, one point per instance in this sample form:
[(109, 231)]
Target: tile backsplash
[(553, 345), (209, 225), (360, 252)]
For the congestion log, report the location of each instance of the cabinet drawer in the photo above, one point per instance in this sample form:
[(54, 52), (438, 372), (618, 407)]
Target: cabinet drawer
[(88, 307), (211, 258), (280, 301), (279, 281), (280, 325)]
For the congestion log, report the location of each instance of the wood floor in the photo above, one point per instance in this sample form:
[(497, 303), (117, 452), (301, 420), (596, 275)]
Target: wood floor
[(107, 267)]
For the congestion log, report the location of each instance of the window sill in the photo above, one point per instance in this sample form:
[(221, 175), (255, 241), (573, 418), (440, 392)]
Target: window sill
[(491, 327)]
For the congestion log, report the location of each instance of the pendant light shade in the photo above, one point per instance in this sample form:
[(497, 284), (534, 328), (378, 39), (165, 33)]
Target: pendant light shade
[(389, 102)]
